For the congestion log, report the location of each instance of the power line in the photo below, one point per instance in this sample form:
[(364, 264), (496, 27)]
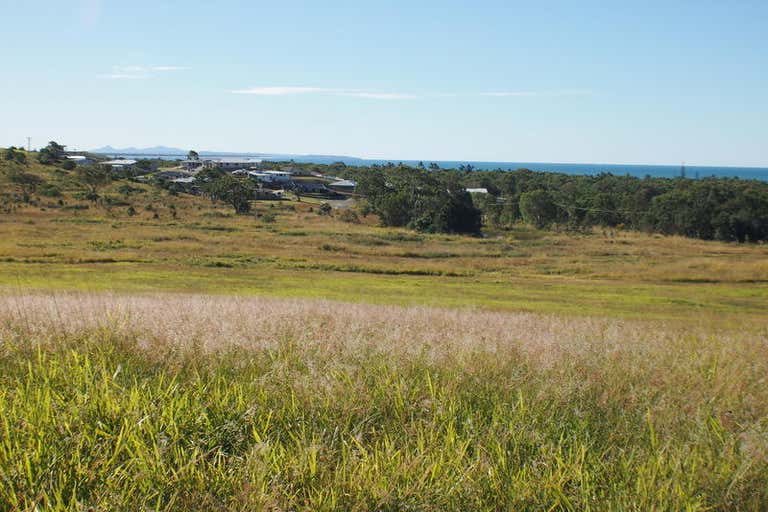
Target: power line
[(583, 208)]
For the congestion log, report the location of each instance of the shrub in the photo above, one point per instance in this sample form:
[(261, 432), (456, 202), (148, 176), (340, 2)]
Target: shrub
[(349, 216)]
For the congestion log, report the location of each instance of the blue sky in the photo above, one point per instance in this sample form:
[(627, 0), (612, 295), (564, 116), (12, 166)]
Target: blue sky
[(657, 82)]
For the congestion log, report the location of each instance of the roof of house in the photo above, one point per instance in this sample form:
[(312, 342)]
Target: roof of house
[(235, 160), (477, 190), (77, 157), (120, 161), (186, 179), (343, 183)]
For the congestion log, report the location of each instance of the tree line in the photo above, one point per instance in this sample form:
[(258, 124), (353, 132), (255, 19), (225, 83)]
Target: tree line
[(728, 209)]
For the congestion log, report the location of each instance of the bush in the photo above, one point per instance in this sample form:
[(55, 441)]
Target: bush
[(48, 190), (349, 216)]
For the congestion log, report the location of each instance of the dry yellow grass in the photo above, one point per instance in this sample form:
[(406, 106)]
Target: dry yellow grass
[(331, 405)]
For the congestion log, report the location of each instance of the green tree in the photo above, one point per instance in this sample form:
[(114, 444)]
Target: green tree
[(52, 153), (27, 183), (238, 192), (538, 208), (193, 155), (93, 178)]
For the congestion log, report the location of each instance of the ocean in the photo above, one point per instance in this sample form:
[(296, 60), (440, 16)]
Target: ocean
[(640, 171)]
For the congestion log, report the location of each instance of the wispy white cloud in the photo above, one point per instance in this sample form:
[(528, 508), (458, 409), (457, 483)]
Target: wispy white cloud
[(378, 95), (282, 91), (506, 94), (356, 93), (133, 72)]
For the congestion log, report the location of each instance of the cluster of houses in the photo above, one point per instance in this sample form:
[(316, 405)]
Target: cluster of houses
[(272, 182), (120, 164)]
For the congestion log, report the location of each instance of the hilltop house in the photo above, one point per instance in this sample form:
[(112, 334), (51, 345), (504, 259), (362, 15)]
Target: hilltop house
[(311, 187), (343, 185), (230, 164), (121, 164), (270, 176), (80, 159)]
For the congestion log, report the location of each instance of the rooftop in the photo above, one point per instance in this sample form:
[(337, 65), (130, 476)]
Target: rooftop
[(120, 161)]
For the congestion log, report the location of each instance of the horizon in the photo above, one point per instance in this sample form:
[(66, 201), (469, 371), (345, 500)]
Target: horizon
[(498, 82), (182, 152)]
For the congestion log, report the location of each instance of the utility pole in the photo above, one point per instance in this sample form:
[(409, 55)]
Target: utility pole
[(29, 143)]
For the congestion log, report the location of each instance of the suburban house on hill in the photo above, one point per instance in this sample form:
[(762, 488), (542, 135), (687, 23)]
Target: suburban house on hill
[(343, 185), (226, 164), (271, 176), (80, 159), (231, 164), (121, 164)]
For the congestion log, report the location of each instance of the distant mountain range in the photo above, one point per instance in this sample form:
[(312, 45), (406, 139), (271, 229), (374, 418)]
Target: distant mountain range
[(167, 151), (156, 150)]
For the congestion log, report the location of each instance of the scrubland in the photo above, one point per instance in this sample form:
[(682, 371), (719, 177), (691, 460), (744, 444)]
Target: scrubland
[(200, 402)]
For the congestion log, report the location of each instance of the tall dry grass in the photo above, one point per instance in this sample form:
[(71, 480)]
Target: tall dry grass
[(203, 402)]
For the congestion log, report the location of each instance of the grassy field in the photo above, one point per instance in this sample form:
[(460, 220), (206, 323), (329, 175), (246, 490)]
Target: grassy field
[(186, 243), (158, 352), (182, 402)]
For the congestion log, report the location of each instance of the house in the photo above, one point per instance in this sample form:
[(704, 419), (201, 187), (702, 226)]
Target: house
[(268, 194), (80, 159), (295, 171), (193, 165), (186, 184), (121, 164), (280, 176), (477, 190), (230, 164), (186, 180), (270, 176), (311, 187), (343, 185)]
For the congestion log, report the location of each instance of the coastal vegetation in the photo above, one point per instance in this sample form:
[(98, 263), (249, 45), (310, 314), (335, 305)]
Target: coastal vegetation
[(726, 209)]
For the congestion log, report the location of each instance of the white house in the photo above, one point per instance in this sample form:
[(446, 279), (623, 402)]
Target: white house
[(343, 185), (231, 164), (80, 159), (121, 164), (281, 176), (270, 176), (477, 190)]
